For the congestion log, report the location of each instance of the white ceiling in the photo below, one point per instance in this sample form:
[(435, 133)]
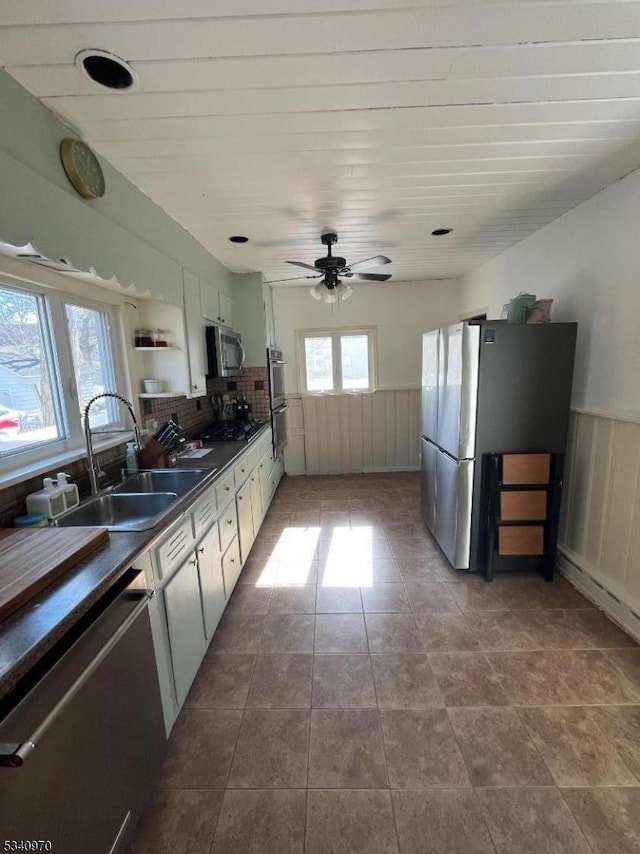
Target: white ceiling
[(381, 119)]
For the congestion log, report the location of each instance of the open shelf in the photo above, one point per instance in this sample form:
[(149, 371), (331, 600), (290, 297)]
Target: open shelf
[(162, 394), (155, 349)]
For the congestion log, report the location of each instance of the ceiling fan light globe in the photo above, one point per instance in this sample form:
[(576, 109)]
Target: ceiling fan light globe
[(344, 291), (331, 297), (316, 291)]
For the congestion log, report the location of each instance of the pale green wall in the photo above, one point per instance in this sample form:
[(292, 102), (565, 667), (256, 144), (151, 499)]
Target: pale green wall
[(123, 234)]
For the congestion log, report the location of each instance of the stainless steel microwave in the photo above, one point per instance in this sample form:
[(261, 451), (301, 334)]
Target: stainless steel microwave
[(225, 353)]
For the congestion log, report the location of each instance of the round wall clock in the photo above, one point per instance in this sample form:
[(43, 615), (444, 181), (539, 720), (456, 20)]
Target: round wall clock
[(82, 167)]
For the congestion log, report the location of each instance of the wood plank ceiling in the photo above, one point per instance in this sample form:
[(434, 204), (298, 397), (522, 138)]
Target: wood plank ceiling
[(381, 119)]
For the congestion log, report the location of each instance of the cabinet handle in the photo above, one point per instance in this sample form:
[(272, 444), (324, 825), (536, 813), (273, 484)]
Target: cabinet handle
[(201, 551), (227, 488), (193, 562), (232, 559), (229, 521), (239, 498)]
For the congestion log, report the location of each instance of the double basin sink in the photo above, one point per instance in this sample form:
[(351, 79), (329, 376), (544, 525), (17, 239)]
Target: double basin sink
[(140, 502)]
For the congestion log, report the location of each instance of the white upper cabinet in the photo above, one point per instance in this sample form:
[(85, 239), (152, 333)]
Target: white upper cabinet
[(195, 335), (215, 305)]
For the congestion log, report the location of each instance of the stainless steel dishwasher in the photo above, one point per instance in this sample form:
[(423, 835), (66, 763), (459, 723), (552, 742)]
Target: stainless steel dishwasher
[(80, 750)]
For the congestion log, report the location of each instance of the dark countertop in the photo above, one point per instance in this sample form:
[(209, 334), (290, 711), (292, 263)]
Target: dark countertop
[(33, 630)]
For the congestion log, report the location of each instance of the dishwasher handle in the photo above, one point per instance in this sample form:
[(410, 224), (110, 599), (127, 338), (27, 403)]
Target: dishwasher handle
[(15, 755)]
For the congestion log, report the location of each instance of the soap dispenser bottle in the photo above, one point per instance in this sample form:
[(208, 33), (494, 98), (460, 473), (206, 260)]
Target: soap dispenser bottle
[(131, 458), (69, 490)]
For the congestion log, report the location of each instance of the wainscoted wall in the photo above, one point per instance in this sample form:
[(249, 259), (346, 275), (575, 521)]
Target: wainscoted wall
[(369, 432), (600, 526)]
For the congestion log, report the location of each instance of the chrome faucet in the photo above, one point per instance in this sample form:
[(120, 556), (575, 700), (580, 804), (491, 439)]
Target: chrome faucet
[(92, 462)]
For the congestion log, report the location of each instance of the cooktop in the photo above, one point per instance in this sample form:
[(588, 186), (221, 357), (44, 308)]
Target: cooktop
[(231, 431)]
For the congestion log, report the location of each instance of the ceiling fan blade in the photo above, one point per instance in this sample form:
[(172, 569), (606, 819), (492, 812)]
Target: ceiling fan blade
[(372, 277), (368, 262), (300, 264), (292, 279)]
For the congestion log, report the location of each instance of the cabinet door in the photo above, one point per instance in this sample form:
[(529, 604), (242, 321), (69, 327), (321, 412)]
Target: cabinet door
[(209, 302), (270, 330), (264, 470), (226, 309), (231, 566), (186, 628), (245, 520), (256, 500), (194, 328), (211, 581)]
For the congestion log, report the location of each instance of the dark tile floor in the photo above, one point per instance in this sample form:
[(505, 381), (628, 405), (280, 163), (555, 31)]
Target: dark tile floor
[(361, 697)]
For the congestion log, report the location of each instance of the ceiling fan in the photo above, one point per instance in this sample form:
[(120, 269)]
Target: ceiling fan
[(332, 268)]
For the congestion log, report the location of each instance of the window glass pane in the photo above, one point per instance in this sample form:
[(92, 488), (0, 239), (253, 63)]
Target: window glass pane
[(92, 361), (29, 404), (318, 363), (354, 355)]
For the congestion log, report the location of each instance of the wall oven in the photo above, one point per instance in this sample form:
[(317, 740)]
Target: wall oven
[(225, 353), (276, 399)]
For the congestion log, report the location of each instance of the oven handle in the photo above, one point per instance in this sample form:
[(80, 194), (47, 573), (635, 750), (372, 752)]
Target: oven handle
[(280, 409), (277, 361), (15, 755)]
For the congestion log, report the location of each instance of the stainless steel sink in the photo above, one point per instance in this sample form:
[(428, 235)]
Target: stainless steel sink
[(179, 481), (121, 512)]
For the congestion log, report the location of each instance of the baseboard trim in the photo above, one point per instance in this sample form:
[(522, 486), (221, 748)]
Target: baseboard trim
[(618, 611), (383, 469)]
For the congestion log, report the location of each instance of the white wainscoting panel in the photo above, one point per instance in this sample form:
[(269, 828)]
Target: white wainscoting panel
[(367, 432), (600, 525)]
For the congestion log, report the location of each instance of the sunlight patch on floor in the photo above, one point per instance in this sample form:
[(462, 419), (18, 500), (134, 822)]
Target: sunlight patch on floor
[(348, 562)]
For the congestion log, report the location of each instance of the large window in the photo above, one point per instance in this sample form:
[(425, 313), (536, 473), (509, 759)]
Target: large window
[(56, 354), (336, 361)]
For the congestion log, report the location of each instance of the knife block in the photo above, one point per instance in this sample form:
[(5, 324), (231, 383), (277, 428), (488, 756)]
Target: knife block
[(153, 455)]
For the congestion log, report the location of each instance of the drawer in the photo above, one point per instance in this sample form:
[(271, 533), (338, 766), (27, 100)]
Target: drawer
[(231, 566), (241, 471), (204, 512), (254, 458), (228, 524), (526, 468), (521, 540), (527, 505), (225, 490), (174, 547)]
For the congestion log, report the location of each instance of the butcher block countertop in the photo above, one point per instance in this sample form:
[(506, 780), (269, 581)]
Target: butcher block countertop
[(30, 632)]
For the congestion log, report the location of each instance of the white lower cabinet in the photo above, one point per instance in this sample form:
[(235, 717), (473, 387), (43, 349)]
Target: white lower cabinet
[(245, 519), (231, 566), (186, 628), (211, 579), (256, 500), (209, 546)]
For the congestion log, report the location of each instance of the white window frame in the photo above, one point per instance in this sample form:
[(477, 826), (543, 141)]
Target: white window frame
[(15, 467), (335, 333)]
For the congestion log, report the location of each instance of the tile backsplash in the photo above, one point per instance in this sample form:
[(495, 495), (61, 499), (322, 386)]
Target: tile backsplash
[(252, 383), (194, 415)]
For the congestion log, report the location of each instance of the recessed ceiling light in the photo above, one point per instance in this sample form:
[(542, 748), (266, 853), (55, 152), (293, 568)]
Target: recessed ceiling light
[(106, 69), (440, 232), (239, 238)]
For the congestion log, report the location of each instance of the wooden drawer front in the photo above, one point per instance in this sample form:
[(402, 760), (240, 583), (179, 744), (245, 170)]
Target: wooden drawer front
[(526, 468), (522, 506), (231, 567), (264, 444), (174, 547), (241, 471), (225, 490), (521, 540), (228, 523), (205, 513)]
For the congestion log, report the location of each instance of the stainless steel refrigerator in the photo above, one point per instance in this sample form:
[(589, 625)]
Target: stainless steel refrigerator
[(488, 387)]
